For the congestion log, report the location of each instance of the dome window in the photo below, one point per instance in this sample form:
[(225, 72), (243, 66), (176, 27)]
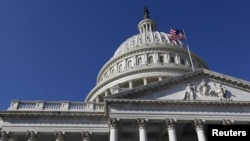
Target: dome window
[(172, 60), (112, 71), (150, 59), (139, 61), (182, 61), (161, 59), (120, 67), (129, 64)]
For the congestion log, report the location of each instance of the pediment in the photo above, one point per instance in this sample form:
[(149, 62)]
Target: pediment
[(200, 85)]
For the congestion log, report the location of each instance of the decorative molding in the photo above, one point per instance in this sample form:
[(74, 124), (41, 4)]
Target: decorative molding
[(86, 136), (170, 123), (142, 123), (56, 106), (113, 122), (179, 102), (51, 114), (227, 122), (199, 124), (59, 135), (4, 135), (32, 135)]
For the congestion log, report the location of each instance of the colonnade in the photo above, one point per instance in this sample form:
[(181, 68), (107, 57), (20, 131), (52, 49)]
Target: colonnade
[(113, 131), (131, 85), (169, 124)]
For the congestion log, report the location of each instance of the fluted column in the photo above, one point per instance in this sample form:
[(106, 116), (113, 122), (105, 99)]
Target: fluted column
[(86, 136), (113, 123), (170, 124), (59, 136), (32, 136), (199, 126), (142, 129), (3, 136)]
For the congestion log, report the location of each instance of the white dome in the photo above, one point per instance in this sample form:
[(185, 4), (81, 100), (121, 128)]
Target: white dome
[(144, 58)]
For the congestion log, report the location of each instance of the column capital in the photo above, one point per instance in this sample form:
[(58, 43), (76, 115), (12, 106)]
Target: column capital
[(86, 136), (59, 135), (199, 124), (113, 122), (170, 123), (142, 122), (227, 122), (4, 135), (32, 135)]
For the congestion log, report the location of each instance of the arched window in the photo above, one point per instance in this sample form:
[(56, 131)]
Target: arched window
[(150, 59), (139, 61), (129, 64), (172, 60), (120, 67), (182, 61), (161, 59), (112, 70)]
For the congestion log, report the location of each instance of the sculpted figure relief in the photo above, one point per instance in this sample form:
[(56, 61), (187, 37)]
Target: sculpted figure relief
[(190, 92), (221, 91), (204, 90)]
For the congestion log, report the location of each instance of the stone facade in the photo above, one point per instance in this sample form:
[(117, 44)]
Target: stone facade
[(153, 96)]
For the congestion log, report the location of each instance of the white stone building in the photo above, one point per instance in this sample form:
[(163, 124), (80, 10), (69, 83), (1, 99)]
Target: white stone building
[(147, 91)]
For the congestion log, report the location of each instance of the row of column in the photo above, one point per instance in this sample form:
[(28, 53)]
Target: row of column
[(33, 136), (131, 85), (169, 124)]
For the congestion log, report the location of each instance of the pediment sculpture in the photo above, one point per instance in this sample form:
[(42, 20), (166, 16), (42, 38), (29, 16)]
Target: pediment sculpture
[(219, 91)]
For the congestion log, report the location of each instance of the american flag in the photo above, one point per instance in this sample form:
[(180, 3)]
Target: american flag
[(176, 34)]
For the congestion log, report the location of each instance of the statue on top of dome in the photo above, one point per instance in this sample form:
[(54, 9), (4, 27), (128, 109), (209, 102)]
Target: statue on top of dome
[(146, 13)]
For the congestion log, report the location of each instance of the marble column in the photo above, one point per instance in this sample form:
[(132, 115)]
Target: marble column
[(86, 136), (113, 123), (130, 84), (142, 129), (106, 93), (97, 99), (170, 124), (59, 136), (145, 81), (32, 136), (160, 78), (3, 136), (199, 126)]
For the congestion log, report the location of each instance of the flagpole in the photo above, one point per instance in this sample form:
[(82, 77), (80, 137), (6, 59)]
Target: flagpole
[(189, 54)]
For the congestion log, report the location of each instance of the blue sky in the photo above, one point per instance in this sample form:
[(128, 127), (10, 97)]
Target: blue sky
[(54, 49)]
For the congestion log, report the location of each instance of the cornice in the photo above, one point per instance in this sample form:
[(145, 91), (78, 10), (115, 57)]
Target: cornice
[(51, 114), (177, 102)]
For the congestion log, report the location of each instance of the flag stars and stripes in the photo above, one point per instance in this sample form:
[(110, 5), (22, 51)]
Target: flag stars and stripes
[(176, 34)]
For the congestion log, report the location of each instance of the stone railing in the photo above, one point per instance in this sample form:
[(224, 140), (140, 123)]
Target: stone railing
[(56, 106)]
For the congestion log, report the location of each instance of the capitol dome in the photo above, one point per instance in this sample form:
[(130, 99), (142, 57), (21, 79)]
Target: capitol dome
[(144, 58)]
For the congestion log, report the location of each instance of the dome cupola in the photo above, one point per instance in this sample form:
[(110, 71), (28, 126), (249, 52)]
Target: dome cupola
[(144, 58), (147, 24)]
